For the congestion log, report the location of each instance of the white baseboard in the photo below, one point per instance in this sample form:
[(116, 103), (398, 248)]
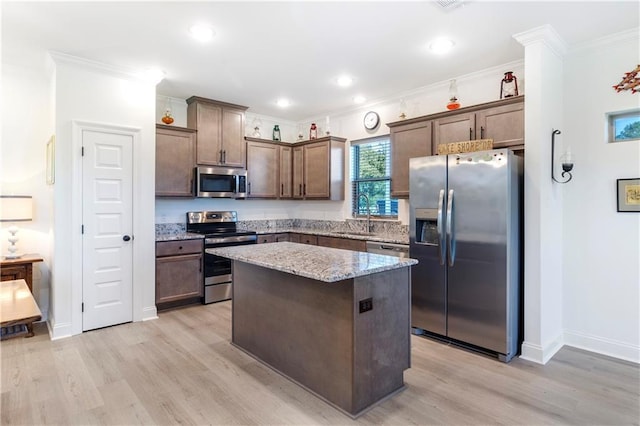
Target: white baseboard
[(602, 345), (149, 313), (59, 331), (538, 354)]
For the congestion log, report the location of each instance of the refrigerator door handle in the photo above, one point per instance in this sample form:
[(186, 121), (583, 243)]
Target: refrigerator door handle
[(451, 241), (440, 224)]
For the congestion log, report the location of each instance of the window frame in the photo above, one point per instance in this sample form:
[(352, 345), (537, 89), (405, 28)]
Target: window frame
[(354, 171), (611, 128)]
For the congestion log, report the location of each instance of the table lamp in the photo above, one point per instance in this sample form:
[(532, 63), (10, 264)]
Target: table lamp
[(15, 208)]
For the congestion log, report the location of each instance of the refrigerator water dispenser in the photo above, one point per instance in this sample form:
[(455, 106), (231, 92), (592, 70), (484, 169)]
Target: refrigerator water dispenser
[(427, 226)]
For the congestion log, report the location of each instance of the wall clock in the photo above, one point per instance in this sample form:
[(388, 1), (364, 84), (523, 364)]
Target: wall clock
[(371, 120)]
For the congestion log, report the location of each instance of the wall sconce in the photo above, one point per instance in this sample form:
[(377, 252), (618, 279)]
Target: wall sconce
[(567, 165), (15, 208)]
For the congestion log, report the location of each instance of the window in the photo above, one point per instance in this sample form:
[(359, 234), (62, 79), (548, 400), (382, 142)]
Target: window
[(371, 175), (624, 126)]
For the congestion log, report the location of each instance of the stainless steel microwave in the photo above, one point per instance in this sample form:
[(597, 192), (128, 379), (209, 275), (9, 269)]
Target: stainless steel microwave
[(220, 182)]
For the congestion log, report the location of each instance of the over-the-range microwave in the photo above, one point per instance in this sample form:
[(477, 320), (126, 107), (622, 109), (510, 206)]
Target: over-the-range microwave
[(221, 182)]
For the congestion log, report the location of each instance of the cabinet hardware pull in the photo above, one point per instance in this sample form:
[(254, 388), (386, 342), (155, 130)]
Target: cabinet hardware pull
[(470, 133), (300, 190), (221, 157), (249, 185), (282, 189), (224, 156), (481, 132), (304, 189), (200, 264)]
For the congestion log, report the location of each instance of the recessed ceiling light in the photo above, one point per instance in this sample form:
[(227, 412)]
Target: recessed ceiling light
[(345, 81), (153, 75), (283, 103), (201, 32), (359, 99), (441, 45)]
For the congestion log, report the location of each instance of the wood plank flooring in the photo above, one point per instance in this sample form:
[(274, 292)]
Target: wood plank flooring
[(181, 369)]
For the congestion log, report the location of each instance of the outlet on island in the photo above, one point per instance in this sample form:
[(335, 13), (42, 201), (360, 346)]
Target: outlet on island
[(366, 305)]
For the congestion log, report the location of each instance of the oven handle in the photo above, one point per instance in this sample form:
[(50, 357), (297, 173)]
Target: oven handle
[(236, 239)]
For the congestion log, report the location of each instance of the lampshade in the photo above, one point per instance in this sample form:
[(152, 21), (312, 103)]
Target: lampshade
[(16, 208)]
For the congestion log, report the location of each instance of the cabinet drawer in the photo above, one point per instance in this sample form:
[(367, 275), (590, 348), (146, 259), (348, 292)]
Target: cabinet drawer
[(172, 248), (267, 238)]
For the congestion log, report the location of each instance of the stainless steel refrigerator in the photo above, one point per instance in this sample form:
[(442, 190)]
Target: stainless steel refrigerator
[(465, 229)]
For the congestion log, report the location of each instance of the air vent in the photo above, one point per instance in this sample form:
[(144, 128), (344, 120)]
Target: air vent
[(449, 4)]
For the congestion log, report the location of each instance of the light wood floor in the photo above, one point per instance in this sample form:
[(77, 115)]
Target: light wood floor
[(181, 369)]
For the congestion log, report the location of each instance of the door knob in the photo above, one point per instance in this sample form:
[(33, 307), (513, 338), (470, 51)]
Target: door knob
[(126, 238)]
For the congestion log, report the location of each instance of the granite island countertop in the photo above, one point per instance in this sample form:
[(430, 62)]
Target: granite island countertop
[(315, 262)]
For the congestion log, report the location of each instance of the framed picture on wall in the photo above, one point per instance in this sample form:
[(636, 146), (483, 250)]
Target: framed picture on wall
[(628, 195)]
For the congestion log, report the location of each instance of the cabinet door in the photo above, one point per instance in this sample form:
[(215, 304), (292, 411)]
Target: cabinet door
[(504, 124), (262, 170), (285, 172), (298, 172), (407, 142), (179, 277), (457, 128), (207, 119), (316, 170), (294, 238), (233, 146), (175, 162)]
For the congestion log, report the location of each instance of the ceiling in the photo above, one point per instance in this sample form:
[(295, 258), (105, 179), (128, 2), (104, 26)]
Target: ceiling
[(266, 50)]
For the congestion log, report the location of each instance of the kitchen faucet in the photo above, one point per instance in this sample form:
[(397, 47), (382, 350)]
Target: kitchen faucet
[(366, 198)]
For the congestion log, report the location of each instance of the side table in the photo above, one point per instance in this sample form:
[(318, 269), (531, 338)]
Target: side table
[(19, 269)]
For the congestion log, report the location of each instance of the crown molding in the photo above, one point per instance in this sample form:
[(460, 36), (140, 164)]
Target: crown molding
[(545, 34), (630, 35), (88, 64)]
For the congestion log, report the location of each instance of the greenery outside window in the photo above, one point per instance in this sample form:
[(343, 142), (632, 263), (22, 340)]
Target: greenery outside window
[(371, 175), (624, 126)]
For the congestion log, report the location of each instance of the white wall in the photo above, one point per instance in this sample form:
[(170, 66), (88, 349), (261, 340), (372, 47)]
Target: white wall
[(92, 93), (27, 124), (479, 87), (601, 271)]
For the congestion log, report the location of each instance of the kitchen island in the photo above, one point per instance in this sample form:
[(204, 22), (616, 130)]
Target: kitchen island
[(337, 322)]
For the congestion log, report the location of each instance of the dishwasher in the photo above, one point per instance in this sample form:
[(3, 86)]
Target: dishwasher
[(388, 249)]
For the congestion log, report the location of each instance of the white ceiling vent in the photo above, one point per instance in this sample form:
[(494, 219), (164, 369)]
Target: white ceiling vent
[(449, 4)]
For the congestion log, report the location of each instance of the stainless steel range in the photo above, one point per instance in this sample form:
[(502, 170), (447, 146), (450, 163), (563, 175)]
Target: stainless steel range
[(219, 229)]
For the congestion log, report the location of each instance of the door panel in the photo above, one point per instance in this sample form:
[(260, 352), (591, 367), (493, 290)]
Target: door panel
[(457, 128), (298, 170), (427, 177), (478, 278), (285, 172), (262, 170), (407, 142), (316, 170), (233, 144), (107, 210)]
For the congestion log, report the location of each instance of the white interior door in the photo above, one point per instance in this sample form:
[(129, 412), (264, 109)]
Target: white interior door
[(107, 210)]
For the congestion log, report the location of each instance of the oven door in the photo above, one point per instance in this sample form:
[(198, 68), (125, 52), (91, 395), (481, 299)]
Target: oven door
[(217, 270)]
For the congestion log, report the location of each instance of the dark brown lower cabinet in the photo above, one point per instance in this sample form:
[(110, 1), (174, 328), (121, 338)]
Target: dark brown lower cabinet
[(179, 272), (342, 243)]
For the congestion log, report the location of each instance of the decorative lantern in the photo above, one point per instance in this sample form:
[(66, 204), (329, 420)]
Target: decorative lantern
[(509, 85), (453, 96), (276, 132), (313, 132)]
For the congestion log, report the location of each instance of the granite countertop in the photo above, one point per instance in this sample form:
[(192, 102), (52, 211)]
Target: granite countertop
[(318, 263), (174, 236), (380, 237)]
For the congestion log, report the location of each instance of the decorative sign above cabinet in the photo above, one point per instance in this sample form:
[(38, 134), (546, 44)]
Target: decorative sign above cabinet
[(465, 146)]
